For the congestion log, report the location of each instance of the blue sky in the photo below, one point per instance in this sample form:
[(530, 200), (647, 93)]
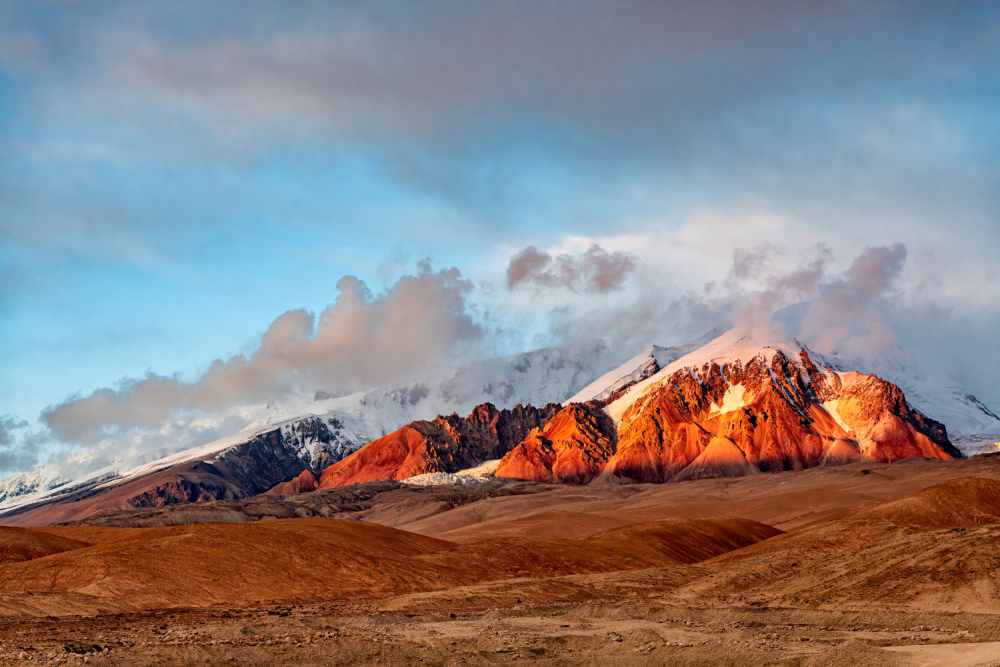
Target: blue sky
[(174, 176)]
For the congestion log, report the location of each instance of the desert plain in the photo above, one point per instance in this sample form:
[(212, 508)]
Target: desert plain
[(863, 564)]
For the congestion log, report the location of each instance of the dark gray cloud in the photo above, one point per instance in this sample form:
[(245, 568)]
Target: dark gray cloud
[(360, 341), (9, 423), (596, 270), (682, 77)]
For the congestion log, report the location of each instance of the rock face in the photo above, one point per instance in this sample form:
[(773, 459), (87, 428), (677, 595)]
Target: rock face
[(887, 429), (770, 413), (572, 448), (774, 411), (446, 444)]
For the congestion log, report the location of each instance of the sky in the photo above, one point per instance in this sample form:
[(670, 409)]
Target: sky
[(208, 203)]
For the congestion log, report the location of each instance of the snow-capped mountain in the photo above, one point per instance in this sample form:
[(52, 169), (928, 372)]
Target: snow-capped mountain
[(735, 404), (644, 365), (318, 430), (741, 404), (936, 396), (694, 408)]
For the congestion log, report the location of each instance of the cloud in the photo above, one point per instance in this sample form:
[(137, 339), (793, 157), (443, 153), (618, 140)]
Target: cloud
[(596, 270), (17, 453), (756, 307), (360, 341), (9, 423), (847, 316), (774, 292), (948, 340)]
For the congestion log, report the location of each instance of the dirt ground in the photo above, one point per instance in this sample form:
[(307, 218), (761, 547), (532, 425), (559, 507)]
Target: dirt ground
[(856, 566), (571, 634)]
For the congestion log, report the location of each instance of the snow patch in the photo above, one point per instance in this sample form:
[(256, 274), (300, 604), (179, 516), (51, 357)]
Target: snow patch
[(484, 469), (483, 472), (831, 407), (732, 400)]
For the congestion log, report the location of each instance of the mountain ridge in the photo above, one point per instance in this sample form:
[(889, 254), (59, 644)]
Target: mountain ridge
[(736, 404), (324, 431)]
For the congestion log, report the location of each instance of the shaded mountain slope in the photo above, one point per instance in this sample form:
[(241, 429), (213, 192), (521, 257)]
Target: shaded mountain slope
[(245, 470)]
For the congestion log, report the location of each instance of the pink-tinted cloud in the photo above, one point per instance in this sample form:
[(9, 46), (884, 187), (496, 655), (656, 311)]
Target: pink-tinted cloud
[(848, 314), (358, 342), (596, 270)]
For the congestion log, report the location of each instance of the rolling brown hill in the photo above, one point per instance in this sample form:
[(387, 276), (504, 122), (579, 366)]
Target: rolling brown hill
[(241, 564), (849, 529), (18, 544), (876, 560), (966, 501), (634, 547)]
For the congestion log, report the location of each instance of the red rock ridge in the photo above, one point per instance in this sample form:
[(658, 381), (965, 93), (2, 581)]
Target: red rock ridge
[(447, 444), (573, 448), (767, 414), (887, 429)]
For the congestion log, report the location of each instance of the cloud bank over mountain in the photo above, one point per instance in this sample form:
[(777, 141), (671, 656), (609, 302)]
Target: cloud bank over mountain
[(424, 322), (360, 341)]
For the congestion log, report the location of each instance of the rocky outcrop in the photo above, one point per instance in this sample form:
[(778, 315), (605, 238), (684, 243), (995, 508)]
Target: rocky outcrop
[(887, 428), (446, 444), (572, 448), (721, 458), (304, 483)]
